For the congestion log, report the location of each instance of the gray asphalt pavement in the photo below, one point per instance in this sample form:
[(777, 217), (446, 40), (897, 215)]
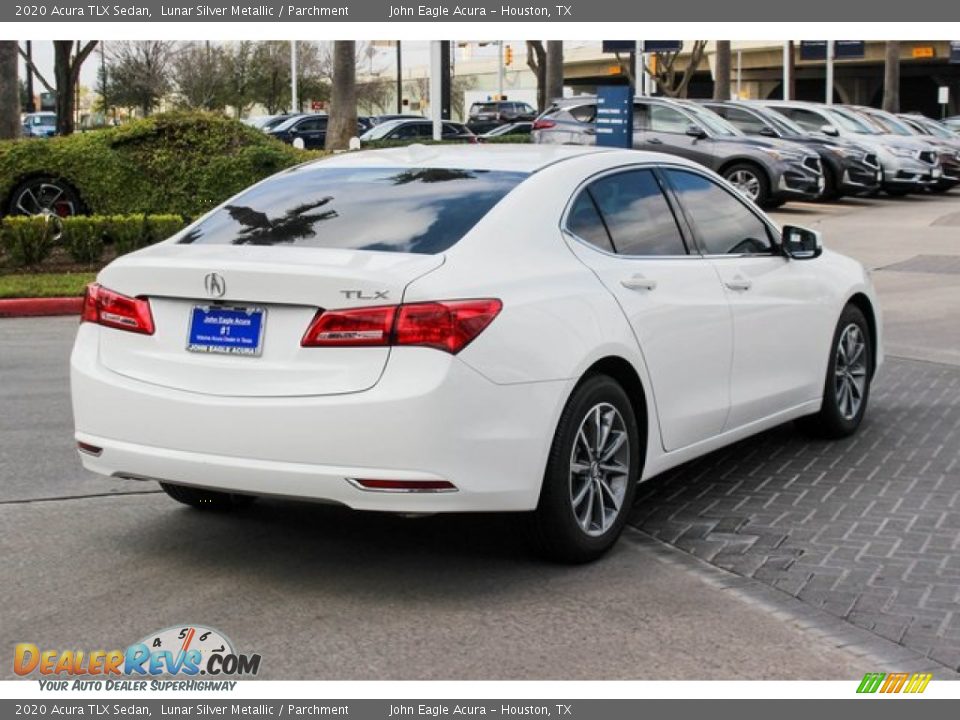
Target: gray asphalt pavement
[(323, 593)]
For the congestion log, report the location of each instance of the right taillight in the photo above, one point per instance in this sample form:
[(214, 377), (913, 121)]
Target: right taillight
[(111, 309), (543, 124), (448, 325)]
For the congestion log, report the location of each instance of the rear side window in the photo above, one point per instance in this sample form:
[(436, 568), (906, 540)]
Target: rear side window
[(634, 213), (410, 210), (584, 113), (585, 222), (724, 224)]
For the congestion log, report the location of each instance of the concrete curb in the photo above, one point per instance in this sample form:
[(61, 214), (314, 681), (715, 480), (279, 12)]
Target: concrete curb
[(40, 307)]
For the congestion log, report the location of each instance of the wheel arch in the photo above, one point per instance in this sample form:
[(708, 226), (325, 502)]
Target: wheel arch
[(745, 160), (863, 304), (621, 370)]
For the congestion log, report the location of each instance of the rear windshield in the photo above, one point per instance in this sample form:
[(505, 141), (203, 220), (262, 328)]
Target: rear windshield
[(410, 210), (483, 107)]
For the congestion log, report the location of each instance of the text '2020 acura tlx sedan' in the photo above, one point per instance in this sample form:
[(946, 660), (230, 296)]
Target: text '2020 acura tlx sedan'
[(450, 329)]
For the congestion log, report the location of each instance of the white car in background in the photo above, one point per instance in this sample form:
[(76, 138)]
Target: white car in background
[(467, 328)]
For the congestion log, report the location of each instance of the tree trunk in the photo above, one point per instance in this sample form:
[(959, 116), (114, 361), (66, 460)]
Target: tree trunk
[(721, 85), (537, 62), (891, 77), (66, 71), (342, 124), (554, 75), (9, 90)]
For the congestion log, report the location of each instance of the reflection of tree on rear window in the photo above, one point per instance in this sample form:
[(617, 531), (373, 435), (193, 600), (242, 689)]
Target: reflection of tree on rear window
[(416, 210)]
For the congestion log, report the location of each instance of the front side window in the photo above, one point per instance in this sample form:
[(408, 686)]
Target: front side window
[(724, 224), (634, 214), (805, 118), (741, 119), (666, 119), (409, 210)]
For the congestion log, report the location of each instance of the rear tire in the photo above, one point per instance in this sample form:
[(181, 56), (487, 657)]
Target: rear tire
[(590, 479), (206, 499), (847, 385)]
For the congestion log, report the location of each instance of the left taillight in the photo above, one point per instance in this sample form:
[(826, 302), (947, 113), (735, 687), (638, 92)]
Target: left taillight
[(111, 309)]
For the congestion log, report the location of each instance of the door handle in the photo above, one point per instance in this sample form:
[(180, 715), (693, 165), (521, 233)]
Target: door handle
[(639, 282), (739, 284)]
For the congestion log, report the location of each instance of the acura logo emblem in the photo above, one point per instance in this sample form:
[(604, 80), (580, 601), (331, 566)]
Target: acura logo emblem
[(215, 285)]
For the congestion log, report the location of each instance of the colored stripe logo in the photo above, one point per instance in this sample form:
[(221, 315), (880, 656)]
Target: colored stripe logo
[(894, 683)]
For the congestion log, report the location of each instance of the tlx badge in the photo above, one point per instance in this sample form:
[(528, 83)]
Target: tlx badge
[(362, 295)]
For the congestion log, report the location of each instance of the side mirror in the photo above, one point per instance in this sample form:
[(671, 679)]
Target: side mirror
[(829, 130), (800, 243), (767, 131), (695, 131)]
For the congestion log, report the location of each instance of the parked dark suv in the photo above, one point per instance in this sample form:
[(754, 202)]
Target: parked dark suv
[(484, 116), (766, 170), (848, 168)]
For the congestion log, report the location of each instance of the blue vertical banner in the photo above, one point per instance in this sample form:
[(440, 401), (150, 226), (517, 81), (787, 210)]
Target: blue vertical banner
[(615, 116)]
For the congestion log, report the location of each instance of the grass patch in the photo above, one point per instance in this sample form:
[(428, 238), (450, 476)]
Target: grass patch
[(44, 285)]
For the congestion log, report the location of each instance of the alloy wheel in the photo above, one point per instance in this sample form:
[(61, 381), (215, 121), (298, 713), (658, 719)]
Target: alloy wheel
[(850, 372), (746, 182), (599, 469), (45, 198)]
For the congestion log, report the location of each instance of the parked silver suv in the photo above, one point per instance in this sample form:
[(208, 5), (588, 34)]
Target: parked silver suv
[(768, 171)]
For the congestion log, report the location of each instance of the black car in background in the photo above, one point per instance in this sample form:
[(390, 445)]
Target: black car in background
[(485, 116), (769, 171), (312, 129), (848, 168)]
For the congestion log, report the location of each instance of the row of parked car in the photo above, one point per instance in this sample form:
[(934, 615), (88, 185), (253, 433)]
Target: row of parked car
[(775, 151), (486, 120)]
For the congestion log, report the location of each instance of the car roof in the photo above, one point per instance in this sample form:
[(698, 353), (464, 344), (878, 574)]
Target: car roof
[(508, 158)]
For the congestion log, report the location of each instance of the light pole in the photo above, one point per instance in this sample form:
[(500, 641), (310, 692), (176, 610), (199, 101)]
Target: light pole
[(294, 100), (829, 89), (786, 69)]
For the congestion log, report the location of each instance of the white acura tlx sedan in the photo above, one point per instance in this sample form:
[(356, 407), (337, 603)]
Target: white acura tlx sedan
[(468, 328)]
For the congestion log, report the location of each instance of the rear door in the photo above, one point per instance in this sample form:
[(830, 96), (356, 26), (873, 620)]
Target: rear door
[(622, 227), (313, 132), (781, 319)]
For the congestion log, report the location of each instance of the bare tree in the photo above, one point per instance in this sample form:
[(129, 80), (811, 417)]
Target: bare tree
[(553, 77), (342, 124), (199, 73), (140, 73), (667, 69), (891, 77), (375, 96), (66, 71), (9, 90), (537, 62), (721, 84)]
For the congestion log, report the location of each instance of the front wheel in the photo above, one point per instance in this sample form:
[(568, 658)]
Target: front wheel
[(751, 181), (591, 474), (847, 386)]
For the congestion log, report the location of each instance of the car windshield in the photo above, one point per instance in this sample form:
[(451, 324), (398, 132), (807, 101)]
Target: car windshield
[(935, 128), (410, 210), (288, 123), (43, 120), (380, 131), (892, 124), (786, 126), (849, 121), (715, 124)]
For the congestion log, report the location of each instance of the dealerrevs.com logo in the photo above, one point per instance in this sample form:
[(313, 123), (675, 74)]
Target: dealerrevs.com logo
[(180, 651)]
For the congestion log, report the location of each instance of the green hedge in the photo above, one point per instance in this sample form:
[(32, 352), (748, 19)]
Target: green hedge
[(180, 163), (28, 241)]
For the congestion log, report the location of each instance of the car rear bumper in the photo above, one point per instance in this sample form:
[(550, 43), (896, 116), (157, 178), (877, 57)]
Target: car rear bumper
[(430, 417)]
